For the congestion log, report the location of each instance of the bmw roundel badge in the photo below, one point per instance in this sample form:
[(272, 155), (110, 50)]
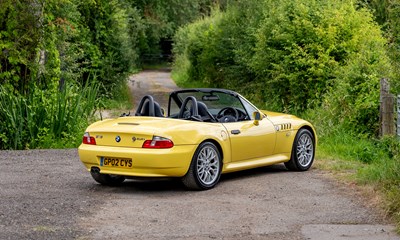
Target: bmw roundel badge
[(117, 138)]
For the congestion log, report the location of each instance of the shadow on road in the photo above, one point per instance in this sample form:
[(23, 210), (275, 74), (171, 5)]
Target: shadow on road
[(159, 185)]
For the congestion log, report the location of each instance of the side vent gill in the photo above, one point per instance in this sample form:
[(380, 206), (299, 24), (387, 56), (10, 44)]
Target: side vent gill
[(286, 126), (283, 127)]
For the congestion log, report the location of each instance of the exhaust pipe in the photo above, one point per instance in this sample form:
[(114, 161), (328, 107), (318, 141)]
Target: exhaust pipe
[(95, 170)]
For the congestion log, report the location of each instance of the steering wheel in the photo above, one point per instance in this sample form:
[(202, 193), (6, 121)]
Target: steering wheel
[(193, 112), (228, 114)]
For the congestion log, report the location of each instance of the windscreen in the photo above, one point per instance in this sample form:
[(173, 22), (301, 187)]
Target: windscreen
[(215, 101)]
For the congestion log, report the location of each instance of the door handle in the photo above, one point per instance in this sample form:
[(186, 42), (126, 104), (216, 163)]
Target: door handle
[(235, 132)]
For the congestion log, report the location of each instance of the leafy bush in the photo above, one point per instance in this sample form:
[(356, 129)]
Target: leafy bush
[(53, 45), (111, 30), (211, 51), (19, 43), (292, 56)]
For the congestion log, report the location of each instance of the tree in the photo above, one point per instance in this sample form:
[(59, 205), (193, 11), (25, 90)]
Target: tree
[(292, 56)]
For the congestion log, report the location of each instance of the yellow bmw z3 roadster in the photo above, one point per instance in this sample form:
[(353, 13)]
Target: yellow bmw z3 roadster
[(205, 133)]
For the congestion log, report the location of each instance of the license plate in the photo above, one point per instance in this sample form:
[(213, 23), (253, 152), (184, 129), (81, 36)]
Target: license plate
[(116, 162)]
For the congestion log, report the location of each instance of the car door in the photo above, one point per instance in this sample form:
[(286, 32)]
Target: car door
[(249, 141)]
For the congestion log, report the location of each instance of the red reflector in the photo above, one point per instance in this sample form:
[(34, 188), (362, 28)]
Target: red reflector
[(87, 139), (158, 144)]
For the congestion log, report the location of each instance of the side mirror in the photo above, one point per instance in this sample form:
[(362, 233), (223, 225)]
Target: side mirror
[(257, 117), (163, 112)]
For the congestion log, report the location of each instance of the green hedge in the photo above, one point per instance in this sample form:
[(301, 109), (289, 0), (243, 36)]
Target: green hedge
[(291, 56)]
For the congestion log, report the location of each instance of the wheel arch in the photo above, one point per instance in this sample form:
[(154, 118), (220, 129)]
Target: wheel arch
[(192, 179), (312, 131), (293, 164), (216, 143)]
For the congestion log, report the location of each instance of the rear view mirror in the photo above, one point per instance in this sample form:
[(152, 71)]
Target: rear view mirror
[(210, 97), (257, 117)]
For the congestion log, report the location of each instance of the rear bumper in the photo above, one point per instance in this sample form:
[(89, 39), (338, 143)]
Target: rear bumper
[(173, 162)]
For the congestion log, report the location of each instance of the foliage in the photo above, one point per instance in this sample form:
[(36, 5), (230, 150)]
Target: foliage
[(19, 43), (292, 56), (119, 99), (372, 162), (213, 51), (111, 31), (51, 50), (387, 15), (71, 39), (380, 9), (162, 18), (42, 120)]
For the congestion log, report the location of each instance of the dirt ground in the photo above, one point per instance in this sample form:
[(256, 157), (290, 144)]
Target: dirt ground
[(47, 194), (157, 83)]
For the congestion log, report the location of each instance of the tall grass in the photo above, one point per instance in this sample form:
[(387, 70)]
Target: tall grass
[(361, 158), (367, 161), (44, 119), (11, 126)]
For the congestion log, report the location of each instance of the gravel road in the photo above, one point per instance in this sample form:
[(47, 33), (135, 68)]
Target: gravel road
[(157, 83), (47, 194)]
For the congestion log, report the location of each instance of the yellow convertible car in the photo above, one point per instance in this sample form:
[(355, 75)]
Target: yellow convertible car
[(205, 133)]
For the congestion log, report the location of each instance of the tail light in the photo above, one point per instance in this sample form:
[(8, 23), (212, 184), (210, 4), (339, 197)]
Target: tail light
[(158, 142), (87, 139)]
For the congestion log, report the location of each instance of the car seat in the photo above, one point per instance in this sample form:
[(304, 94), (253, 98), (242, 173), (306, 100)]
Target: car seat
[(205, 115)]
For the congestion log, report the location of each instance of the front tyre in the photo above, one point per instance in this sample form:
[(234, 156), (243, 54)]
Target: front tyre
[(303, 151), (205, 169), (107, 179)]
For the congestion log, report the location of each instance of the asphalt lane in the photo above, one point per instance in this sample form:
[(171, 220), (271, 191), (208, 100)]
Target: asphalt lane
[(47, 194)]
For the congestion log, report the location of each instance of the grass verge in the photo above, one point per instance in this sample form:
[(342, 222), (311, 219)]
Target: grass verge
[(120, 97), (181, 77), (373, 165)]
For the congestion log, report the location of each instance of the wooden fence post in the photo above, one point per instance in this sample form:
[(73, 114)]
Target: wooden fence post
[(398, 115), (387, 123)]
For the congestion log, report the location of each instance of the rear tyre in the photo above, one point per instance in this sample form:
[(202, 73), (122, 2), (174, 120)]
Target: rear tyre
[(107, 179), (205, 169), (303, 151)]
